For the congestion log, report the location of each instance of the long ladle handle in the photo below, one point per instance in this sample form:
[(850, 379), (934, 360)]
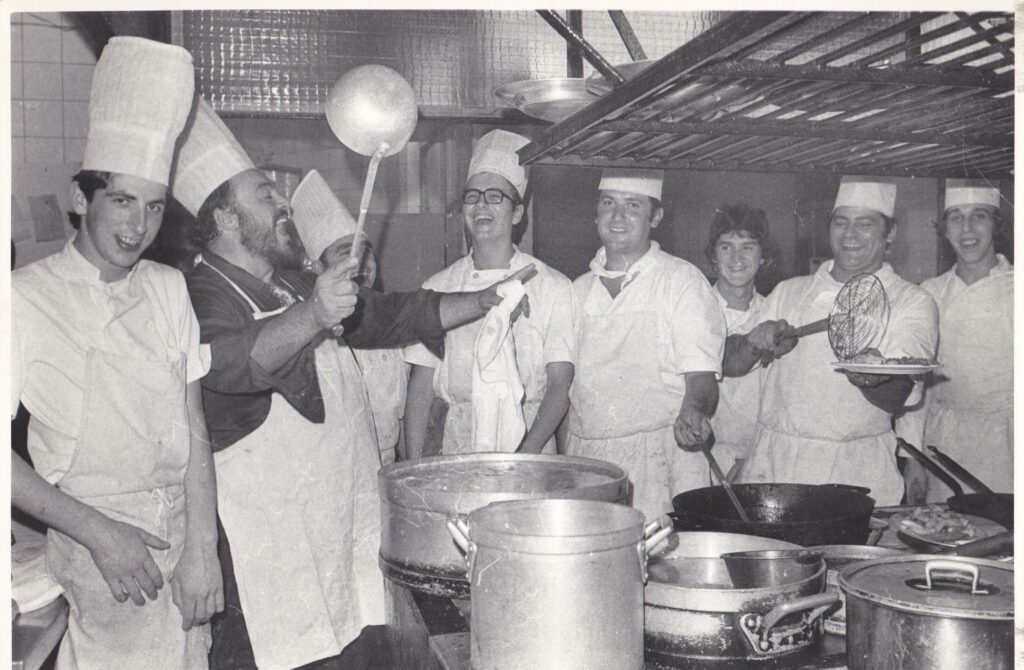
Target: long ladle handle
[(706, 448), (818, 326), (364, 203)]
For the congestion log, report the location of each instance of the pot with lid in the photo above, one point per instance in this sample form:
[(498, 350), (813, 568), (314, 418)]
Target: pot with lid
[(418, 497), (929, 612)]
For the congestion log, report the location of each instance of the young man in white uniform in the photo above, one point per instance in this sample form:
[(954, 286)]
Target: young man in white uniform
[(738, 248), (106, 357), (492, 205), (968, 410), (649, 342), (816, 424)]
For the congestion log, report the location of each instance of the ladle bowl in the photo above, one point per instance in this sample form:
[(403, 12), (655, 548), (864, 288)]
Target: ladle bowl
[(371, 106)]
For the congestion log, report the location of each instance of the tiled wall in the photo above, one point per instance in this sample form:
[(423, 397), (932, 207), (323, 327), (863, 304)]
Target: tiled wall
[(51, 72)]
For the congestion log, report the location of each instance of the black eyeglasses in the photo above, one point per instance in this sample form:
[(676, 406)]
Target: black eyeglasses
[(492, 196)]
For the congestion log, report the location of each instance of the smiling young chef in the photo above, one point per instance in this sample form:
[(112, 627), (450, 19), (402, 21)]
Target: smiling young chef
[(491, 206), (968, 411), (292, 435), (738, 248), (106, 357), (816, 424), (649, 345)]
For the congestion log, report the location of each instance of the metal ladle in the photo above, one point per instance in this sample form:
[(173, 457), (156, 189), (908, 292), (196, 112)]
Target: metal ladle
[(722, 479), (372, 110)]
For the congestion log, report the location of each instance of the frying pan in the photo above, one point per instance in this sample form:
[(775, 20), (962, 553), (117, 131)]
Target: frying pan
[(804, 514), (996, 507)]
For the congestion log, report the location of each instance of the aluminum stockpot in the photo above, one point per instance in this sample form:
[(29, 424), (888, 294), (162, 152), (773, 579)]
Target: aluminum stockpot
[(924, 612), (557, 584), (418, 497), (696, 618)]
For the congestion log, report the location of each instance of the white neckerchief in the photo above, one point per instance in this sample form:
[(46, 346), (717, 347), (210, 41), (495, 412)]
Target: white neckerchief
[(597, 265)]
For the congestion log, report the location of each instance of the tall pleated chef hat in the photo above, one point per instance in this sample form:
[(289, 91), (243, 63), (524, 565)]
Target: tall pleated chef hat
[(643, 182), (141, 96), (209, 156), (496, 152), (868, 194), (318, 215), (970, 192)]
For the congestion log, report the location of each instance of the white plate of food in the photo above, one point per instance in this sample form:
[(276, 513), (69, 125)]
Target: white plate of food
[(886, 368), (935, 525)]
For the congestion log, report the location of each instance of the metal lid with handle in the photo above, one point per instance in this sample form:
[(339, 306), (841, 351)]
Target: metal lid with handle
[(963, 588)]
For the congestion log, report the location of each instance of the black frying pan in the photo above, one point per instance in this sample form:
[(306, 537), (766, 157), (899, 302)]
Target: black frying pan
[(996, 507)]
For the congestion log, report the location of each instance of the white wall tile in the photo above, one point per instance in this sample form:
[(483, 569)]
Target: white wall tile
[(44, 118), (74, 149), (77, 81), (17, 118), (16, 37), (17, 79), (17, 150), (40, 41), (44, 150), (42, 81), (76, 119)]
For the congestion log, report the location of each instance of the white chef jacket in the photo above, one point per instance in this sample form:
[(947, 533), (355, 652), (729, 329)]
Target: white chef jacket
[(61, 307), (632, 353), (735, 420), (814, 426), (968, 408), (544, 337)]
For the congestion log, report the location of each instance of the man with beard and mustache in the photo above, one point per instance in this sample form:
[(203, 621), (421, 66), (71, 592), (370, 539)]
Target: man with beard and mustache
[(292, 430)]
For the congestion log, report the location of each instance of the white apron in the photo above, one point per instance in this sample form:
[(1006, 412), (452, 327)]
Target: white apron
[(623, 412), (970, 407), (129, 464), (298, 502), (837, 435), (454, 374)]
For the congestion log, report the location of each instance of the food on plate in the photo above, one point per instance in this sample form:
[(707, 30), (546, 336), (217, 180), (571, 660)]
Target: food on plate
[(874, 357), (938, 524)]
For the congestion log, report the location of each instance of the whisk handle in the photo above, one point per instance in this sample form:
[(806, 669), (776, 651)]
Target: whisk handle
[(818, 326)]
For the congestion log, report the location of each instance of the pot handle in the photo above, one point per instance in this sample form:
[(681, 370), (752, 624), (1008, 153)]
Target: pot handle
[(819, 602), (952, 566), (654, 534), (656, 531)]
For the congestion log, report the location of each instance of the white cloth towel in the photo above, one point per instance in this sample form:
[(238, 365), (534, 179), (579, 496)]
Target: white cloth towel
[(498, 423), (31, 586)]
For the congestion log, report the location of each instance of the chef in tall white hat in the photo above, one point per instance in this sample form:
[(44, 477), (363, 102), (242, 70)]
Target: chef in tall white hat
[(649, 343), (327, 230), (851, 442), (292, 432), (106, 357), (968, 409), (538, 366)]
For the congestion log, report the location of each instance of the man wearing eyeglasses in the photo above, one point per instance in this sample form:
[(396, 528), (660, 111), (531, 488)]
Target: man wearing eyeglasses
[(492, 203)]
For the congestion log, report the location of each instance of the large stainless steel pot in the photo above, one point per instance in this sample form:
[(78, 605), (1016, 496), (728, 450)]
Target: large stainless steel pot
[(695, 618), (557, 584), (929, 613), (418, 497)]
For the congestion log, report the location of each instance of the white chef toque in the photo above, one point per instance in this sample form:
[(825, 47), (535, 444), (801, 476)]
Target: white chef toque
[(642, 182), (970, 192), (141, 96), (319, 216), (867, 193), (209, 156), (496, 152)]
